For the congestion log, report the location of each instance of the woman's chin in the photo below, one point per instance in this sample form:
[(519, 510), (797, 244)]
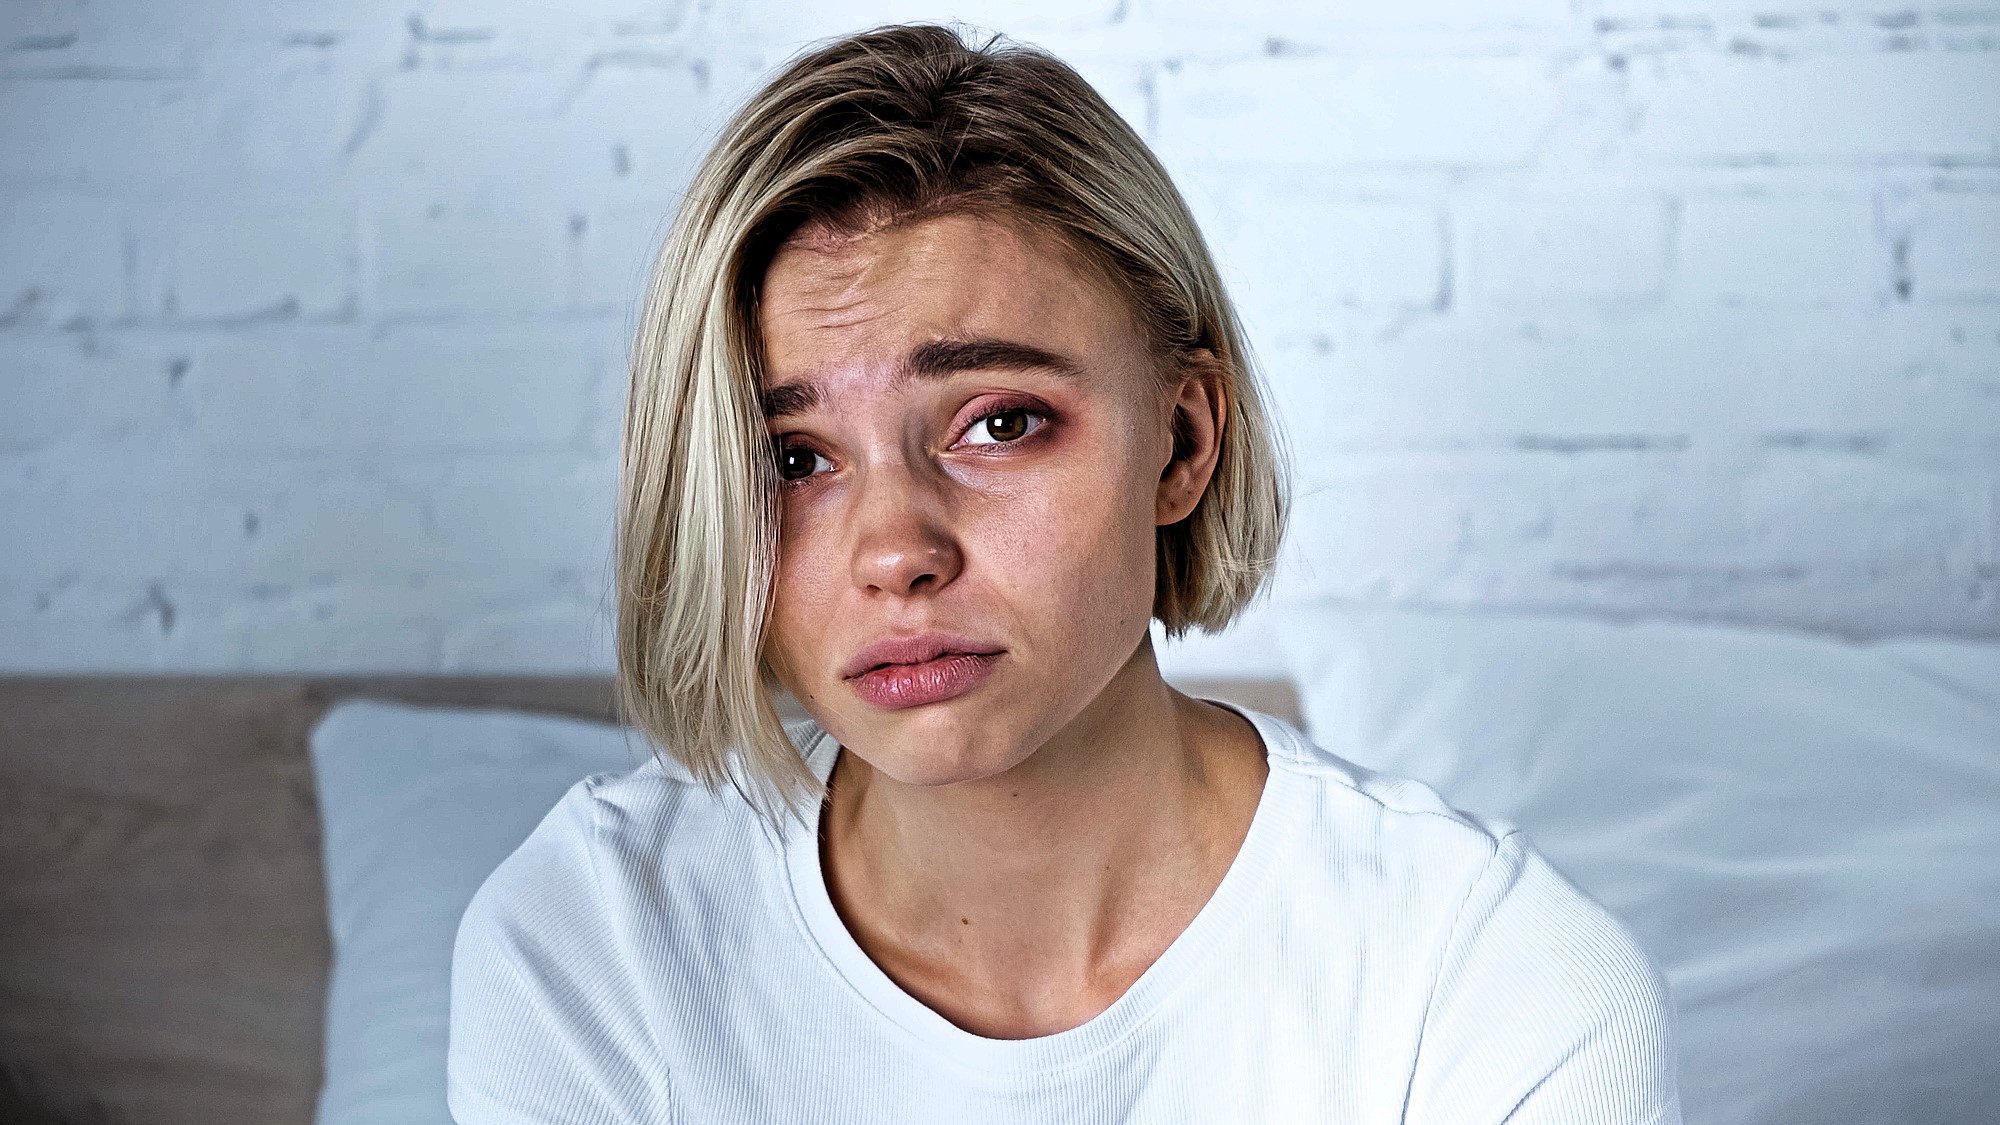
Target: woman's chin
[(931, 759), (970, 737)]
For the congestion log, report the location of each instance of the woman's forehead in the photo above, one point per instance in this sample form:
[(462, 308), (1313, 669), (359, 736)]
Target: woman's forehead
[(848, 300)]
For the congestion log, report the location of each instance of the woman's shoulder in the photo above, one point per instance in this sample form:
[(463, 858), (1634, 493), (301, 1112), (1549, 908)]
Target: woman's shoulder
[(1472, 877), (1543, 998), (651, 813), (554, 922), (604, 826), (549, 885), (663, 781), (1392, 816), (540, 933), (1505, 940)]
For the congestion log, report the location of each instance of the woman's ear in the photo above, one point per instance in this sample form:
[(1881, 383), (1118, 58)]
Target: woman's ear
[(1199, 409)]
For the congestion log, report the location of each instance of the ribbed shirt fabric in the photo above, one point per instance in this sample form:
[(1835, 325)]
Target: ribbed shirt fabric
[(655, 953)]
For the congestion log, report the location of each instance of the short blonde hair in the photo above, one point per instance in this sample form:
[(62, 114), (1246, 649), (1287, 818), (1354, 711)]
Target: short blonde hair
[(885, 127)]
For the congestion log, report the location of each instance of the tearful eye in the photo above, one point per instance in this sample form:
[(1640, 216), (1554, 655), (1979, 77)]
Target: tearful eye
[(1004, 425), (797, 462)]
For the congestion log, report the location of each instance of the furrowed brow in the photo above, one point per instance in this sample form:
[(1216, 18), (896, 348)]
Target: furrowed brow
[(943, 358), (791, 398), (938, 359)]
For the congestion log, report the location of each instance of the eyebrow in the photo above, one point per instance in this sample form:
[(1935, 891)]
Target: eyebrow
[(938, 359)]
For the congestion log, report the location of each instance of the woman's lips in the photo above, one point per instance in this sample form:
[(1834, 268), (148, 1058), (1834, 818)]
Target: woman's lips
[(893, 687)]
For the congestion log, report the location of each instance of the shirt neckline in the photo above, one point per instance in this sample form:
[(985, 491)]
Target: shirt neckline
[(1272, 825)]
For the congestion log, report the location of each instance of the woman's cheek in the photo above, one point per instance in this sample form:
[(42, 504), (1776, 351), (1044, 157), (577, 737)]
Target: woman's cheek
[(1057, 528), (809, 522), (806, 578)]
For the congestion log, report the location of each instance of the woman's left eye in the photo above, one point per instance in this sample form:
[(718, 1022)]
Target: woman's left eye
[(1004, 425)]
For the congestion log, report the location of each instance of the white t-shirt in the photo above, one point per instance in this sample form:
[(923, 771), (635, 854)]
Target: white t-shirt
[(653, 953)]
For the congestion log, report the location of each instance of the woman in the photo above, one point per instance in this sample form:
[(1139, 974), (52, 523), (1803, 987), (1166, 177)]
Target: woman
[(937, 402)]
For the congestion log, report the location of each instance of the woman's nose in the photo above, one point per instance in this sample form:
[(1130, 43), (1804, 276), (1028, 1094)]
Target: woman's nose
[(903, 543)]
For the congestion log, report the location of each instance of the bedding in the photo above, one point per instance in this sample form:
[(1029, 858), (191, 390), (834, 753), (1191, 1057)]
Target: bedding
[(1801, 831)]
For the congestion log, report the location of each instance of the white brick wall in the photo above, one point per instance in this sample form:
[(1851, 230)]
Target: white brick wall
[(312, 315)]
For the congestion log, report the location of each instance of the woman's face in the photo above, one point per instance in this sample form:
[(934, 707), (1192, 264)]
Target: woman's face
[(971, 438)]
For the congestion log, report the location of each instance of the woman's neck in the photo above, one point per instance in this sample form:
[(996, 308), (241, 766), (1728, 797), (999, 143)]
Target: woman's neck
[(1024, 903)]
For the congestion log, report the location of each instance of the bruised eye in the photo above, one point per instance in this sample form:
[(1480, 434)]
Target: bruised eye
[(1004, 425), (797, 462)]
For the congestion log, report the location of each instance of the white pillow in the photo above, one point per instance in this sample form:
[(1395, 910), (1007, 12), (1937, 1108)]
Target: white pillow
[(417, 806), (1805, 833)]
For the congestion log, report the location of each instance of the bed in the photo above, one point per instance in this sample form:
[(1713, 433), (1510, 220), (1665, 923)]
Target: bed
[(213, 907)]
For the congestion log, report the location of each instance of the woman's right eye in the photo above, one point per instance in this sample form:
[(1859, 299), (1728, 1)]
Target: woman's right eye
[(797, 462)]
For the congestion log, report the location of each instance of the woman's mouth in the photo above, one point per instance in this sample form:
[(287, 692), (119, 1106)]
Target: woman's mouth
[(915, 671), (947, 675)]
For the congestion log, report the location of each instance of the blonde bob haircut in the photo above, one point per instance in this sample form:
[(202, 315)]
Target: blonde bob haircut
[(886, 127)]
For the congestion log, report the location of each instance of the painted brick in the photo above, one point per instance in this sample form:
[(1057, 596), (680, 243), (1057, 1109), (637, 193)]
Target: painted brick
[(604, 402), (540, 17), (414, 391), (473, 126), (62, 256), (1780, 250), (446, 258), (1290, 255), (523, 517), (643, 119), (1702, 13), (1513, 251), (1401, 529), (109, 133), (87, 55), (1286, 16), (540, 133), (1677, 514), (342, 629), (1402, 111), (564, 636), (487, 35), (610, 253), (38, 24), (249, 261), (215, 22), (351, 525), (54, 391), (1899, 520), (1904, 105), (790, 26), (56, 645), (1829, 380), (112, 528), (1955, 251), (290, 112)]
